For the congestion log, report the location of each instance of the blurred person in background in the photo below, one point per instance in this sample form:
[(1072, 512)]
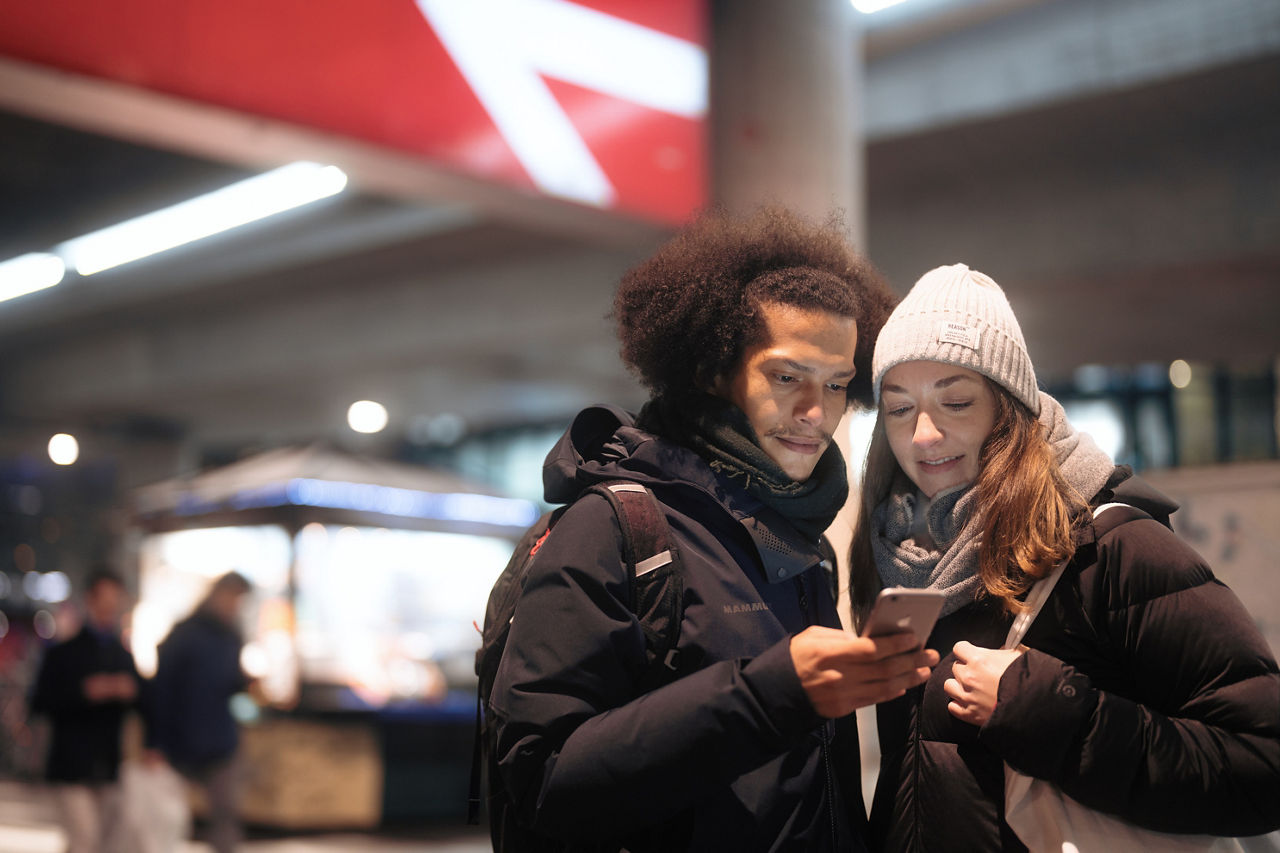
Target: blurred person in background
[(189, 704), (85, 687)]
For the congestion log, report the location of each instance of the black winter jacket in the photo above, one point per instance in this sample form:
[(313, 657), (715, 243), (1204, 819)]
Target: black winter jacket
[(197, 673), (1147, 693), (85, 738), (729, 755)]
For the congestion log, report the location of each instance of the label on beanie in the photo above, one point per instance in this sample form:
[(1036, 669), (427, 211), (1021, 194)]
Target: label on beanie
[(958, 333)]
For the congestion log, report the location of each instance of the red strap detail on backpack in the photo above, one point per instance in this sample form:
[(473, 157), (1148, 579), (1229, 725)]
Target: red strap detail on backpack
[(541, 539)]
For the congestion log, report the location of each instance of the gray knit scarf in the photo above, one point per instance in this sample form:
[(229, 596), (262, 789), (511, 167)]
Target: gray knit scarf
[(952, 566)]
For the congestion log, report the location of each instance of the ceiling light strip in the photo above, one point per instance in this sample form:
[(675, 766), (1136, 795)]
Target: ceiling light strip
[(29, 273), (230, 207)]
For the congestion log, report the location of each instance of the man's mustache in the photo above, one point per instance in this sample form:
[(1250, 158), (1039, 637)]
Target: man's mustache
[(783, 432)]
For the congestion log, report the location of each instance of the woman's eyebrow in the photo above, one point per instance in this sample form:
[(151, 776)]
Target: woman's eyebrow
[(952, 380), (946, 382)]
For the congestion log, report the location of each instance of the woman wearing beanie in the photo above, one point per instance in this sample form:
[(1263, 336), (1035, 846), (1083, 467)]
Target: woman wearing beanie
[(1141, 689)]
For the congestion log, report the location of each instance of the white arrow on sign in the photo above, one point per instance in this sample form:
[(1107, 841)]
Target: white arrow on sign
[(503, 47)]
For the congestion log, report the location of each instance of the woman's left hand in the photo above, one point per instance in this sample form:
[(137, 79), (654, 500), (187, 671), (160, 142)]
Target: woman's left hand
[(975, 681)]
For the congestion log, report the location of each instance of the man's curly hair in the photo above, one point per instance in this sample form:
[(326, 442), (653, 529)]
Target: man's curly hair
[(687, 314)]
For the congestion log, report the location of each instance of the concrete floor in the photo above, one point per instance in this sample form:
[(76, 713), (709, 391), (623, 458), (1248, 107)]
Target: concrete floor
[(27, 825)]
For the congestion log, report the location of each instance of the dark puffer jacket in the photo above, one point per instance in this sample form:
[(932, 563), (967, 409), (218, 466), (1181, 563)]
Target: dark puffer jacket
[(197, 673), (1148, 693), (85, 739), (728, 756)]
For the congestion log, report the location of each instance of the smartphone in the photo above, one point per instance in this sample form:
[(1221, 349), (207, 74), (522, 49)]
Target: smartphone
[(899, 609)]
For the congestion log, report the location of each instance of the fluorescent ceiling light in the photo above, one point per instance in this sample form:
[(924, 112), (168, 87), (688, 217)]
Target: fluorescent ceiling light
[(247, 201), (867, 7), (29, 273)]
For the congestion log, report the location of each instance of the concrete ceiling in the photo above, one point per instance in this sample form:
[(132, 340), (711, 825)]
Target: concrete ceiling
[(1137, 225), (432, 295), (1140, 225)]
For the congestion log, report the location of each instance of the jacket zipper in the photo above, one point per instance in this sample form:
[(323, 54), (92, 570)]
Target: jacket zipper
[(823, 733), (831, 786), (804, 600), (915, 769)]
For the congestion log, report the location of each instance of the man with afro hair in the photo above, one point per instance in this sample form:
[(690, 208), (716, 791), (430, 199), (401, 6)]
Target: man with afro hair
[(754, 337)]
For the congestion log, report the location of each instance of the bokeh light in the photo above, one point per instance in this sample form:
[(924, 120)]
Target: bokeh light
[(64, 449), (367, 416), (1180, 374)]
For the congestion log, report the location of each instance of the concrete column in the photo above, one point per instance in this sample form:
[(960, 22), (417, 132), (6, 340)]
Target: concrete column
[(786, 126), (785, 121)]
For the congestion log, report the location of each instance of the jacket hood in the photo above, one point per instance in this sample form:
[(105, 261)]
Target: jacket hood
[(603, 443), (582, 445)]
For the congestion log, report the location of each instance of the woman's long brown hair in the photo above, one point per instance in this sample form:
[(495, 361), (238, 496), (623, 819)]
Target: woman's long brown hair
[(1025, 509)]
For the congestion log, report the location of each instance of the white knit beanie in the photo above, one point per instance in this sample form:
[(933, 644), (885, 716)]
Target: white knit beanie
[(956, 315)]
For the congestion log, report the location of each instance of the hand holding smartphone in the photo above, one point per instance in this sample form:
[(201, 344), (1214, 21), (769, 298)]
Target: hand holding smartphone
[(899, 609)]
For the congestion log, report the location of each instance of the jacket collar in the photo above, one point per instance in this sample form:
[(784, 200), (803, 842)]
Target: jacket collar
[(603, 444)]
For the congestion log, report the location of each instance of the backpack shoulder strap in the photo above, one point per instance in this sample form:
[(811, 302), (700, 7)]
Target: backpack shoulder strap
[(653, 570), (646, 538)]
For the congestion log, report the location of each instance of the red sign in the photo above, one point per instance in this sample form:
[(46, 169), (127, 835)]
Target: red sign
[(600, 101)]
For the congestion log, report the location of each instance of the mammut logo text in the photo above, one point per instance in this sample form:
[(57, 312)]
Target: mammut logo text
[(746, 608)]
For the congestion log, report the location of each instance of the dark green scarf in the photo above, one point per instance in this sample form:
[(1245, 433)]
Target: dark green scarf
[(720, 433)]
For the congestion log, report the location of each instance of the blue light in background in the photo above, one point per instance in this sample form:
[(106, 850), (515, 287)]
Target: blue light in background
[(385, 500)]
